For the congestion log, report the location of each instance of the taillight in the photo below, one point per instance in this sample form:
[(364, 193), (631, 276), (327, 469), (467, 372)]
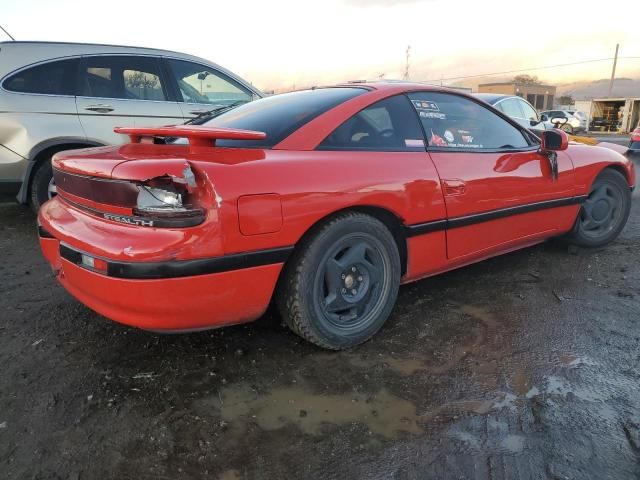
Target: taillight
[(635, 136), (168, 204)]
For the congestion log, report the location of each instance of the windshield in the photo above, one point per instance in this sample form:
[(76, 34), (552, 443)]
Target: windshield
[(280, 115)]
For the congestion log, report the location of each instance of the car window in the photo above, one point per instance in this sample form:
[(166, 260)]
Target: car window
[(128, 77), (456, 122), (53, 78), (200, 84), (280, 115), (511, 107), (388, 125), (528, 110)]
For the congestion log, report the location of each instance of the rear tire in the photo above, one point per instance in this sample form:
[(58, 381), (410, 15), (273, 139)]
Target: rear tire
[(340, 286), (41, 186), (605, 213)]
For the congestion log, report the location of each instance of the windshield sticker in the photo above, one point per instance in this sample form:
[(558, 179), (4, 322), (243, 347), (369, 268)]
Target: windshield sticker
[(410, 142), (436, 115), (425, 105), (448, 139), (448, 136), (437, 141)]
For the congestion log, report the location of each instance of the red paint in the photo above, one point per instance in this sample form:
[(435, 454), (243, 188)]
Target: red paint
[(260, 214), (499, 180), (197, 135), (263, 199)]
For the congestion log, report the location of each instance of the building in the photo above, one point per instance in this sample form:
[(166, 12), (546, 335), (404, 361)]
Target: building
[(618, 115), (540, 96)]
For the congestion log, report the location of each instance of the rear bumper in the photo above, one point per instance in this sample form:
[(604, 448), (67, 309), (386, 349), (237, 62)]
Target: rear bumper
[(171, 296), (168, 304)]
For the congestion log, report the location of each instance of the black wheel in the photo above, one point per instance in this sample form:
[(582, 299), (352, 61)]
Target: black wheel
[(604, 214), (42, 186), (341, 284)]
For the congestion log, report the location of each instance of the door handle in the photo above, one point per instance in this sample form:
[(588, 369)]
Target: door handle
[(198, 112), (454, 186), (100, 108)]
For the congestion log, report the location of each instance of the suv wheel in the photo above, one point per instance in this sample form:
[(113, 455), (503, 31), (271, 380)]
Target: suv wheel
[(42, 186)]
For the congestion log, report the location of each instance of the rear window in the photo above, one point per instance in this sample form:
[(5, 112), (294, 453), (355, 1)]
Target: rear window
[(280, 115), (54, 78)]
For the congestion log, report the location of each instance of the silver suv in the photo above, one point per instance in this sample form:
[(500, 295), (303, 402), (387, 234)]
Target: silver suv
[(60, 96)]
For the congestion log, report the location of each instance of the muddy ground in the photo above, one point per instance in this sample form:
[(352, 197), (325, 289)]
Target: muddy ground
[(524, 366)]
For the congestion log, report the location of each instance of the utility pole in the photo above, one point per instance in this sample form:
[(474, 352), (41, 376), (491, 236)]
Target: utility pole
[(8, 34), (613, 72), (406, 66)]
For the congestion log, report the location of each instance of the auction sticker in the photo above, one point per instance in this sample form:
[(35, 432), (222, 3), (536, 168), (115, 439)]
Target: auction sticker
[(426, 105)]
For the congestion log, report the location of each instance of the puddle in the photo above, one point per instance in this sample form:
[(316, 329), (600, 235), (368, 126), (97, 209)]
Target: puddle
[(521, 381), (407, 366), (568, 359), (383, 413), (402, 366), (230, 475), (513, 443)]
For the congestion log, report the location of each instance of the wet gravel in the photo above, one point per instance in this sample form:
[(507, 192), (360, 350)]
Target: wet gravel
[(523, 366)]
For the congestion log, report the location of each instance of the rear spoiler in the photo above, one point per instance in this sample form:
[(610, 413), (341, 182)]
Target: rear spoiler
[(196, 135)]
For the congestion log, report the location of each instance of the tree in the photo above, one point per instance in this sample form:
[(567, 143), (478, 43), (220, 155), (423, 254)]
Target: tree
[(565, 100), (526, 79)]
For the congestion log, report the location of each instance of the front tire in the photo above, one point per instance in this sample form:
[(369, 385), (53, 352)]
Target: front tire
[(342, 283), (604, 214), (42, 187)]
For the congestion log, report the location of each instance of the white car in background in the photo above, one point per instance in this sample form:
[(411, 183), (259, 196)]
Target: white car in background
[(518, 109), (61, 96), (574, 122), (584, 119)]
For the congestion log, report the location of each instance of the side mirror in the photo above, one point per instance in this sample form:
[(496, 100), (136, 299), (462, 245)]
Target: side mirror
[(543, 118), (553, 140)]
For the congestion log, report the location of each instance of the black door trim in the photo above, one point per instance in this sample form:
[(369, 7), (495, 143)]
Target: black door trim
[(455, 222)]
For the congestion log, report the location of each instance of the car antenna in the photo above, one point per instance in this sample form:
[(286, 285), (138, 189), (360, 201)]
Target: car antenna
[(8, 34)]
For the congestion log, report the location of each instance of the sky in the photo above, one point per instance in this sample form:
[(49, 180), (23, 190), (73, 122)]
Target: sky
[(284, 44)]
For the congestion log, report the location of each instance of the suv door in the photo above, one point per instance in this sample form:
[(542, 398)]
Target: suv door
[(123, 90), (201, 88), (497, 186)]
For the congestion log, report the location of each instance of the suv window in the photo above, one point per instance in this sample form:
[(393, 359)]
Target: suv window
[(456, 122), (388, 125), (529, 111), (128, 77), (511, 107), (53, 78), (280, 115), (200, 84)]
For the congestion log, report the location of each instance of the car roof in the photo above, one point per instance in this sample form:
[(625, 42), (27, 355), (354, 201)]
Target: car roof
[(15, 55), (401, 86), (492, 98), (72, 45)]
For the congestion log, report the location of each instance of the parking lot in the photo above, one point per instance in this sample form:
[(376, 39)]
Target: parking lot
[(523, 366)]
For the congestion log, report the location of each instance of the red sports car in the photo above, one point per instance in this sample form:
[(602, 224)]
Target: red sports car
[(324, 200)]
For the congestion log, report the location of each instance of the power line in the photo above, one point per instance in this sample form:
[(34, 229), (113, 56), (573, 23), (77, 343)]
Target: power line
[(8, 34), (529, 69)]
